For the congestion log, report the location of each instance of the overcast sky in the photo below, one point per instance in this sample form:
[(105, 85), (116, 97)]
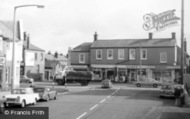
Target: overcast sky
[(68, 23)]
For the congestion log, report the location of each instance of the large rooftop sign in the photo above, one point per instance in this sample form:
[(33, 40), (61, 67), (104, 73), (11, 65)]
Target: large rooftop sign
[(160, 21)]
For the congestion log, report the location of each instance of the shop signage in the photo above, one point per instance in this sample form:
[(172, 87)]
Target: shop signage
[(160, 21)]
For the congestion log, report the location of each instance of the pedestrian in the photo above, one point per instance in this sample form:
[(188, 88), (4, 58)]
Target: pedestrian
[(177, 94)]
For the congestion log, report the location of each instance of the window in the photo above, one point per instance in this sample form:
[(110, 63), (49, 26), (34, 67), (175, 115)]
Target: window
[(132, 54), (143, 54), (163, 57), (98, 54), (36, 56), (121, 54), (42, 56), (109, 54), (81, 58)]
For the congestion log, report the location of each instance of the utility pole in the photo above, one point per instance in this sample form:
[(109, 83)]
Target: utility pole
[(140, 62), (182, 40)]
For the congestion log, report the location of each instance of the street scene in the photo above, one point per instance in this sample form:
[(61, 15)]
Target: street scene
[(103, 59)]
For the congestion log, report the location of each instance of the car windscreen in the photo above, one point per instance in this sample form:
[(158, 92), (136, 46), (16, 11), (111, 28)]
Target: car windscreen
[(19, 91), (39, 89)]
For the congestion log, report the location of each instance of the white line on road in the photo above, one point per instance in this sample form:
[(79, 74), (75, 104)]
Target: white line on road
[(93, 107), (63, 93), (109, 96), (103, 101), (82, 115)]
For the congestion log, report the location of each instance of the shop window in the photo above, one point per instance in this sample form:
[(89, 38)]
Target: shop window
[(121, 54), (132, 54), (163, 57), (143, 54), (98, 54), (81, 58), (109, 54)]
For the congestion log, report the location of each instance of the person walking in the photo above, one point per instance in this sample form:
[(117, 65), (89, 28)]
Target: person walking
[(177, 94)]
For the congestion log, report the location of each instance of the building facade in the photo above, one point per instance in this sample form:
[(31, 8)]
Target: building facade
[(131, 58)]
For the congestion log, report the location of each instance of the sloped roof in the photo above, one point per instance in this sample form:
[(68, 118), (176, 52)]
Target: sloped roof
[(59, 58), (51, 63), (116, 43), (35, 48), (85, 47)]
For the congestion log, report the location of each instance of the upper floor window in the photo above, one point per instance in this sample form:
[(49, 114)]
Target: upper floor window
[(132, 54), (42, 56), (121, 54), (82, 58), (163, 57), (109, 54), (98, 54), (36, 56), (143, 54)]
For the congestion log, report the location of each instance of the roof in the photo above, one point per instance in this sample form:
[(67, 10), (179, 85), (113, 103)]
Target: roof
[(59, 58), (33, 47), (85, 47), (117, 43), (6, 29), (51, 63)]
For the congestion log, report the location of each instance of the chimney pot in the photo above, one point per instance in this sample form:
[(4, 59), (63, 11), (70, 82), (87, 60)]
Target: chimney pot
[(95, 36), (150, 36), (173, 35)]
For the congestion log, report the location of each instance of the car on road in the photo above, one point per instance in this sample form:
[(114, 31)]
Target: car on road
[(148, 82), (25, 79), (22, 97), (168, 89), (46, 93)]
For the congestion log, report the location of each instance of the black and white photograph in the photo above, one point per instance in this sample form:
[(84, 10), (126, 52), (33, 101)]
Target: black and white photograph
[(94, 59)]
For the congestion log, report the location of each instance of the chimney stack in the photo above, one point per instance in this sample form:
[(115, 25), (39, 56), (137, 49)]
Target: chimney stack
[(95, 36), (150, 36), (173, 35)]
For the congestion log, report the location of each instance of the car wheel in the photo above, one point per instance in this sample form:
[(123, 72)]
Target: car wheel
[(23, 104), (35, 102), (48, 98), (55, 97), (155, 85), (138, 85)]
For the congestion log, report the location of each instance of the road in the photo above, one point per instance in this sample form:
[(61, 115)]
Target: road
[(120, 102)]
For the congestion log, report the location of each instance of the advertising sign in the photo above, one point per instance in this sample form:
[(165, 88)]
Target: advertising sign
[(160, 21)]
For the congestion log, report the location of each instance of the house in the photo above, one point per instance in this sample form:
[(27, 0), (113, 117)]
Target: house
[(54, 64), (52, 67), (150, 57), (6, 51), (33, 63)]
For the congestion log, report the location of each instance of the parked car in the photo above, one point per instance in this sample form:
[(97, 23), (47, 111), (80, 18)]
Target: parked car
[(22, 97), (167, 90), (46, 93), (25, 79), (148, 82), (106, 84)]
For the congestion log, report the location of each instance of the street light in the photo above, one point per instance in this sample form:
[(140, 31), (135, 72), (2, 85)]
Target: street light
[(13, 57)]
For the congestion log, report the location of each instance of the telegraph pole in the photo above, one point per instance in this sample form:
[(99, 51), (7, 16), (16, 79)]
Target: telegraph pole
[(182, 40)]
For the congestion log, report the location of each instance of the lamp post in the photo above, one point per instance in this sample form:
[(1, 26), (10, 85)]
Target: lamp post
[(182, 41), (13, 51)]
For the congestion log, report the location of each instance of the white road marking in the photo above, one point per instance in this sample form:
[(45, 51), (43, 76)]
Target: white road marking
[(109, 96), (63, 93), (82, 115), (103, 101), (93, 107)]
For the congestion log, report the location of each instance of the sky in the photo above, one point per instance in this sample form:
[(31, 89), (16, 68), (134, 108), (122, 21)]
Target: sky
[(69, 23)]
